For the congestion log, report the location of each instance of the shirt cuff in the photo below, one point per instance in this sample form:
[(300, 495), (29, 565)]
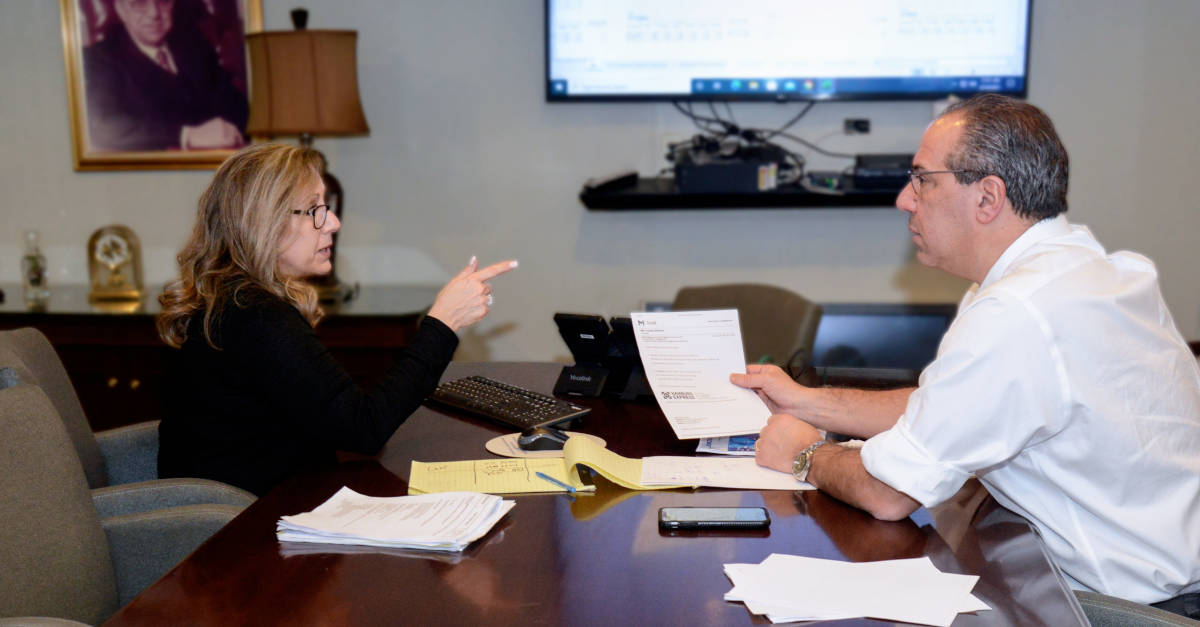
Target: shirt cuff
[(894, 458)]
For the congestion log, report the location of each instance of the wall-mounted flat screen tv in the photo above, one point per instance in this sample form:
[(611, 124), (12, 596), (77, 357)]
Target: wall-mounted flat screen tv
[(785, 49)]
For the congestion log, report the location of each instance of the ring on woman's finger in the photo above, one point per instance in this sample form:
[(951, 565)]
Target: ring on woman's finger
[(490, 300)]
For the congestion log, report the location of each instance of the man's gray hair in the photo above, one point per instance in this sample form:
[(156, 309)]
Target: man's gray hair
[(1015, 141)]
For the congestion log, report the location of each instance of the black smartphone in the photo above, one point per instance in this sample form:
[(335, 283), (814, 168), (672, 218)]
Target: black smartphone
[(675, 518)]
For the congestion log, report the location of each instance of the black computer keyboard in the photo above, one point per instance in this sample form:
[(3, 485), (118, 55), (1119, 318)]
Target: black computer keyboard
[(507, 404)]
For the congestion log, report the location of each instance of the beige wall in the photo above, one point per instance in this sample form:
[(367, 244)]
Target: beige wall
[(465, 157)]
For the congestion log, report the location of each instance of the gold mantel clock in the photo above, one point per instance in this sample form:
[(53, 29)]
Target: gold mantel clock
[(115, 265)]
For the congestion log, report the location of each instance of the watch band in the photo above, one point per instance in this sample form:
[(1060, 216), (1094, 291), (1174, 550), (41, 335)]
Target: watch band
[(803, 462)]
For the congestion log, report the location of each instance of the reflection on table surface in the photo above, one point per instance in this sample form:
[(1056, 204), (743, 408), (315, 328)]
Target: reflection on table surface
[(587, 559)]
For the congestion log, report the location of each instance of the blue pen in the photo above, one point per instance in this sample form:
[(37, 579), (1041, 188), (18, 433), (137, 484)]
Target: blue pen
[(556, 482)]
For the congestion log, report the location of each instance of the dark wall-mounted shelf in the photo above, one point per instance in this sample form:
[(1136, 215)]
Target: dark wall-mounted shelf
[(661, 193)]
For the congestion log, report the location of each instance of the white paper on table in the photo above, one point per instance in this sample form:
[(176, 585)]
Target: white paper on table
[(743, 578), (688, 357), (790, 587), (916, 573), (443, 521), (911, 590), (716, 472)]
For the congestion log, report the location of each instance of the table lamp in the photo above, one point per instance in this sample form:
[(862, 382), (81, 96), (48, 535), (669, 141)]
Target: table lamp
[(305, 82)]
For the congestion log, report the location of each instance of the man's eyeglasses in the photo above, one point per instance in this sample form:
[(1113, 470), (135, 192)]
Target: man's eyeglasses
[(918, 178), (318, 213)]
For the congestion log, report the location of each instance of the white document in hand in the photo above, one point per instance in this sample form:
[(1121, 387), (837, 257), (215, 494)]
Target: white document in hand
[(688, 357)]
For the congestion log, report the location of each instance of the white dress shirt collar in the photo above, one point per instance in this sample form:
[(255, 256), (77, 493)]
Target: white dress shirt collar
[(1040, 231)]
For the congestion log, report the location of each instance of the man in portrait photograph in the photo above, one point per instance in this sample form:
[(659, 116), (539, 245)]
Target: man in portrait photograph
[(154, 80)]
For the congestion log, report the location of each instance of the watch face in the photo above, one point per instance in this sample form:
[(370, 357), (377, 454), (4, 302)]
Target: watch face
[(803, 462), (112, 249)]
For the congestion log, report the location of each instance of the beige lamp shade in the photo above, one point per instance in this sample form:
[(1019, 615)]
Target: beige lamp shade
[(304, 81)]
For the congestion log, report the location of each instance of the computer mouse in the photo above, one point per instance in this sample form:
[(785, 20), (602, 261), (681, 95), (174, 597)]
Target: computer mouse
[(542, 439)]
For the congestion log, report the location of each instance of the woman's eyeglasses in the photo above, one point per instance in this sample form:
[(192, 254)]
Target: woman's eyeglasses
[(319, 214)]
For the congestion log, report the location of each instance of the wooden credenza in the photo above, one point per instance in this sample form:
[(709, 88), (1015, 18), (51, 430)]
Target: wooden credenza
[(116, 360)]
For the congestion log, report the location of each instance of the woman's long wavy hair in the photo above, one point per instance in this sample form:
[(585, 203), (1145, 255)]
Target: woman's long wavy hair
[(241, 222)]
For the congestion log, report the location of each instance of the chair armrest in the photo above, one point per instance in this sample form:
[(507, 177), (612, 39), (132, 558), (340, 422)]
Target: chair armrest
[(40, 621), (144, 546), (146, 496), (1107, 611), (130, 453)]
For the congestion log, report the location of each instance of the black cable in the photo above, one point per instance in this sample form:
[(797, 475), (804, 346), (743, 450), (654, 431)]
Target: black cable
[(759, 136), (697, 119), (798, 162), (728, 127), (765, 136), (792, 121), (816, 148)]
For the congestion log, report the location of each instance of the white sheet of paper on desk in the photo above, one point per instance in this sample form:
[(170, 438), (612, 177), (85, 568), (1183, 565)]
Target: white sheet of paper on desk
[(792, 588), (716, 472), (448, 521), (688, 357)]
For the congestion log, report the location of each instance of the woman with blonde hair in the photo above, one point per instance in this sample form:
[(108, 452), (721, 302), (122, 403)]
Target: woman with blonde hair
[(253, 396)]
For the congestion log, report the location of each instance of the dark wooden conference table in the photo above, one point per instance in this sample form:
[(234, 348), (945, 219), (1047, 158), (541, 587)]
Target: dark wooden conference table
[(589, 560)]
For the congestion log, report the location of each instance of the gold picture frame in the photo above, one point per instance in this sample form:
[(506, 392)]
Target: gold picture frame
[(129, 112)]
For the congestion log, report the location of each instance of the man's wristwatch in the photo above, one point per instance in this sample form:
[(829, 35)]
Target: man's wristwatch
[(803, 462)]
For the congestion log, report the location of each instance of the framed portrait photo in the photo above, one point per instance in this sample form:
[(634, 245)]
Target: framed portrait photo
[(157, 84)]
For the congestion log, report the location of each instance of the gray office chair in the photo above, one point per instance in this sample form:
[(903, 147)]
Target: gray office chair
[(1105, 611), (61, 558), (778, 325), (121, 464), (123, 455)]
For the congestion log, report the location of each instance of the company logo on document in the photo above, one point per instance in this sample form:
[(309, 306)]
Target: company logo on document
[(676, 396)]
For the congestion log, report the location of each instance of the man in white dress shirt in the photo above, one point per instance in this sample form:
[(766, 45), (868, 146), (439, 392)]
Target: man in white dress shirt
[(1062, 384)]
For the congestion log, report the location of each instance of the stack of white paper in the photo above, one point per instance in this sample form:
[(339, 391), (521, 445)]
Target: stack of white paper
[(447, 521), (793, 588)]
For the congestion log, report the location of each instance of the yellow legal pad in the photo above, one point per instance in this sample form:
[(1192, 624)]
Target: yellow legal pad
[(493, 476), (508, 476)]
